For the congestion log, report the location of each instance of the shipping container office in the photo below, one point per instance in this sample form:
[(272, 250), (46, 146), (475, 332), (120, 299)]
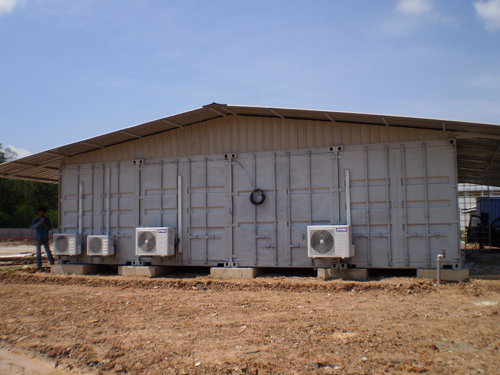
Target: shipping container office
[(395, 185)]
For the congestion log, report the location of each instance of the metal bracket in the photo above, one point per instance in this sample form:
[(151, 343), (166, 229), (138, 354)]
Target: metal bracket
[(437, 234), (268, 246), (261, 237)]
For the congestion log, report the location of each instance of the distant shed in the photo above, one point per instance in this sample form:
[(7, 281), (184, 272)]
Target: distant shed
[(392, 180)]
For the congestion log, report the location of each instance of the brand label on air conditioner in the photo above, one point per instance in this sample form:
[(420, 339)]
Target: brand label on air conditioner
[(162, 231), (343, 229)]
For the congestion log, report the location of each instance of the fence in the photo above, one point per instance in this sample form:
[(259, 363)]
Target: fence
[(479, 216), (20, 233)]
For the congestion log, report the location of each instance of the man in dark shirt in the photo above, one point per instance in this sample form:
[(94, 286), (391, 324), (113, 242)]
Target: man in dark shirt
[(42, 225)]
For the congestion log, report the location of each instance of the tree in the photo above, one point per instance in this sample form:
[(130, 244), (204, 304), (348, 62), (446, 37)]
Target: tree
[(19, 200)]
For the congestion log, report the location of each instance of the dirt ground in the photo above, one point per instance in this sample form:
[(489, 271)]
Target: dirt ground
[(268, 325)]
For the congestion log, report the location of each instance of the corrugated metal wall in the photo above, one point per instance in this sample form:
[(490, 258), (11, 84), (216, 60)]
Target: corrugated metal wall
[(253, 134)]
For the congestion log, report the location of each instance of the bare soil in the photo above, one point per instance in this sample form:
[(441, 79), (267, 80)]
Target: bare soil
[(270, 325)]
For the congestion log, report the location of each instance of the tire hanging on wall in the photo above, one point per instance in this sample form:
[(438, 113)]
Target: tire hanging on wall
[(254, 197)]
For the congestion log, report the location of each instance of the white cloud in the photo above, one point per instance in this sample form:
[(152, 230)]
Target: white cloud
[(21, 152), (6, 6), (416, 7), (489, 12)]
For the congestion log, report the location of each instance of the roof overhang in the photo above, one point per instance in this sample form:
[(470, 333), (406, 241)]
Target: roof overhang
[(478, 145)]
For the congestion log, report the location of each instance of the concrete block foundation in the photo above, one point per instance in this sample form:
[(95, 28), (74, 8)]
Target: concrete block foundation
[(74, 269), (142, 271), (233, 273), (349, 274), (446, 275)]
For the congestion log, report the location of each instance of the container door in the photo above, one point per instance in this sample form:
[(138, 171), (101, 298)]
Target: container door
[(207, 226), (254, 224)]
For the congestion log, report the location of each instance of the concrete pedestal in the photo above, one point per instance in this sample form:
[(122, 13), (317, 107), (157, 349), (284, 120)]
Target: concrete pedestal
[(233, 273), (446, 275), (349, 274), (74, 269), (142, 271)]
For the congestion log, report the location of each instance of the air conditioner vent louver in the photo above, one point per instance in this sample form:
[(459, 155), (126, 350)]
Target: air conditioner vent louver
[(67, 244), (330, 241), (154, 242), (100, 245)]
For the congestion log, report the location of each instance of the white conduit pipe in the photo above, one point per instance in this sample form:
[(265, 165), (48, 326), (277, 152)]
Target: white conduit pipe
[(348, 196), (179, 213), (439, 257), (80, 208), (108, 190)]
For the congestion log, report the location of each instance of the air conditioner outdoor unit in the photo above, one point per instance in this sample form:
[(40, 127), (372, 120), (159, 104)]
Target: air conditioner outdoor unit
[(67, 244), (155, 242), (100, 245), (329, 241)]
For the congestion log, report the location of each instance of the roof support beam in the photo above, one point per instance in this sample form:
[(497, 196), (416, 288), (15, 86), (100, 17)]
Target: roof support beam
[(216, 111), (54, 153), (172, 123), (385, 121), (328, 117), (91, 144), (276, 113), (230, 111), (131, 134), (491, 161)]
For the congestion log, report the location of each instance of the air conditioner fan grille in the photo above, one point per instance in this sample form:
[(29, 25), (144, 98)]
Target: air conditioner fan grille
[(147, 241), (61, 245), (322, 241), (95, 245)]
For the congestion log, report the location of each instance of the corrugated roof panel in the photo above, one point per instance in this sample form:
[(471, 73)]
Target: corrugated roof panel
[(477, 157)]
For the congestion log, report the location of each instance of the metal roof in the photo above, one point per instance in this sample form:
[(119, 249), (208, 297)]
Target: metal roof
[(478, 145)]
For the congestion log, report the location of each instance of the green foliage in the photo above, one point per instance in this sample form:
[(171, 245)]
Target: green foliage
[(19, 200)]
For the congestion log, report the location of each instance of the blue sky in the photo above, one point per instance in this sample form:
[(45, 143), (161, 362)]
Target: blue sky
[(72, 69)]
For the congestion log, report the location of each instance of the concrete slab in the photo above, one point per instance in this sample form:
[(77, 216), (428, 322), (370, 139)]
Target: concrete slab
[(349, 274), (142, 271), (233, 273), (74, 269), (446, 275)]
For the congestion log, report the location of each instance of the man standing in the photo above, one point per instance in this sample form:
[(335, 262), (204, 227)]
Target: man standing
[(42, 225)]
